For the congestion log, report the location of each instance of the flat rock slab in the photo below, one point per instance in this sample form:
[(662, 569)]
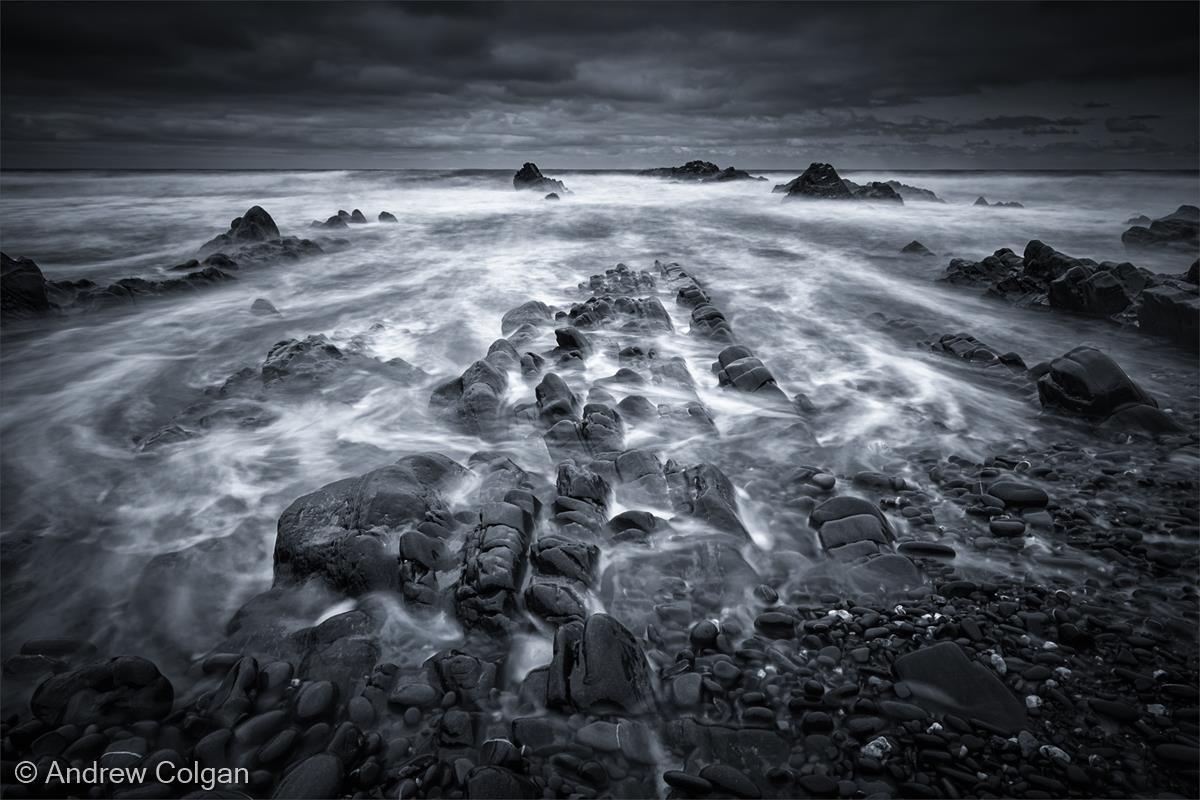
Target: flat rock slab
[(944, 681)]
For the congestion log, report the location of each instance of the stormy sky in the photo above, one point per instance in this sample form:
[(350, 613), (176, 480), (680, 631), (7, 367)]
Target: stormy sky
[(767, 86)]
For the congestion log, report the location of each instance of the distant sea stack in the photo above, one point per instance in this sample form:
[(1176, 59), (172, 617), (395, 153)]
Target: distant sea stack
[(822, 182), (818, 182), (700, 172), (530, 177)]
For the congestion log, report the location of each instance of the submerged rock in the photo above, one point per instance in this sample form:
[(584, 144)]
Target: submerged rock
[(530, 177), (263, 307), (915, 248)]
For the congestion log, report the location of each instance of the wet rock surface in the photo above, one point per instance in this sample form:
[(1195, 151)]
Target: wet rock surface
[(637, 618), (252, 241), (1161, 305), (1180, 230)]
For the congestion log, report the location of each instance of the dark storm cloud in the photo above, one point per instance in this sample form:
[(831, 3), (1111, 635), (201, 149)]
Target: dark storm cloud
[(365, 84), (1129, 124)]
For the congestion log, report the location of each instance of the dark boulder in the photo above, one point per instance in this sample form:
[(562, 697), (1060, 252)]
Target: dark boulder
[(1172, 310), (1002, 264), (599, 667), (552, 196), (473, 402), (357, 217), (818, 182), (944, 681), (738, 368), (385, 216), (915, 248), (530, 177), (1089, 383), (850, 527), (117, 692), (24, 291), (333, 223), (255, 225), (347, 533), (263, 307), (532, 312), (1082, 285), (1180, 228)]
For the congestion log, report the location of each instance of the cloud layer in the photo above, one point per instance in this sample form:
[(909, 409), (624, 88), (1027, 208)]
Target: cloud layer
[(607, 85)]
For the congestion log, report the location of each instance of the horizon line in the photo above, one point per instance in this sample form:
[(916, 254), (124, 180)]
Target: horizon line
[(1195, 169)]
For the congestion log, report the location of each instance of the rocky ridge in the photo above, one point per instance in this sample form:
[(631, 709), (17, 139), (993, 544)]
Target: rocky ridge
[(867, 656)]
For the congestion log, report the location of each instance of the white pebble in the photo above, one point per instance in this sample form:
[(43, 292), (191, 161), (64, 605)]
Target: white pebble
[(1050, 751), (1033, 701)]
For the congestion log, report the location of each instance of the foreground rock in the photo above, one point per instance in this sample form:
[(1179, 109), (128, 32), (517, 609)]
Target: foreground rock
[(700, 172), (1089, 383), (1163, 305), (348, 533), (530, 177), (1179, 229)]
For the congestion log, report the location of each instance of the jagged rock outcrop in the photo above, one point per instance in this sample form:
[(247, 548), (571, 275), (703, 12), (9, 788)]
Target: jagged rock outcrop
[(818, 182), (700, 172), (1162, 305), (256, 225), (530, 177), (982, 201), (1179, 229)]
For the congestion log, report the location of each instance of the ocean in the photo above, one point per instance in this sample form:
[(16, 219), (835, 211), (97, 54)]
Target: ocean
[(152, 550)]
